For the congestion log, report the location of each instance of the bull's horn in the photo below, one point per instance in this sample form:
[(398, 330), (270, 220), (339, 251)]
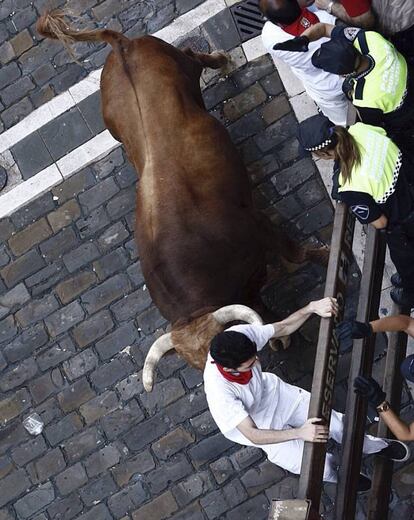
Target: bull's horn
[(237, 312), (162, 345)]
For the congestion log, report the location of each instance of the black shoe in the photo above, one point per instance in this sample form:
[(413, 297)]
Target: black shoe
[(396, 280), (402, 297), (396, 450), (364, 484)]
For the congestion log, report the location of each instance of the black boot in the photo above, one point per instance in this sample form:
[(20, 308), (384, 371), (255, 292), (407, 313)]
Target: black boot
[(396, 450)]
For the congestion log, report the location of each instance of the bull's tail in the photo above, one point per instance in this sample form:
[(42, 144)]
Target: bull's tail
[(53, 25)]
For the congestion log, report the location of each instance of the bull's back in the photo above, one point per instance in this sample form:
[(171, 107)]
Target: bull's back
[(197, 236)]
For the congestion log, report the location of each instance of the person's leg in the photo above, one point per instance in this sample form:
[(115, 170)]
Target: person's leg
[(288, 455), (371, 444), (401, 245), (299, 415)]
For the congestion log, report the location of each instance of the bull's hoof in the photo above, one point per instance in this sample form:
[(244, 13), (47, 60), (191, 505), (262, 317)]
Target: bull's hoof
[(319, 255)]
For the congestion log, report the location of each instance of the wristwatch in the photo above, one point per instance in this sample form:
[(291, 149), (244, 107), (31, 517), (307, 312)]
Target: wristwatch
[(383, 407), (329, 7)]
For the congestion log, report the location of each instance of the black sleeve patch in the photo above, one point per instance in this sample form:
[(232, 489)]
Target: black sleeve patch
[(361, 211), (362, 205)]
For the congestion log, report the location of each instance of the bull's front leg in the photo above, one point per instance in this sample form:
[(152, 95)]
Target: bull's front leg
[(215, 60)]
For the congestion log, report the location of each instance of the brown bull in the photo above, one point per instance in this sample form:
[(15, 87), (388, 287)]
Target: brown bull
[(202, 245)]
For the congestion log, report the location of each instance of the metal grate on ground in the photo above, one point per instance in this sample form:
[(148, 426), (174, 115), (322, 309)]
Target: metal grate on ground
[(248, 19)]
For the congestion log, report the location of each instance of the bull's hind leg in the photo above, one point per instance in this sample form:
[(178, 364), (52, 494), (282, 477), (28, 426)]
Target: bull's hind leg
[(215, 60), (295, 253), (279, 243)]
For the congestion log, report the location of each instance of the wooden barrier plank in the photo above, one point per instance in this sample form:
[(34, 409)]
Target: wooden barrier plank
[(310, 482), (361, 363), (392, 385)]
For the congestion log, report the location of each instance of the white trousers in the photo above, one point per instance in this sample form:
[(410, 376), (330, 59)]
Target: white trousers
[(288, 455)]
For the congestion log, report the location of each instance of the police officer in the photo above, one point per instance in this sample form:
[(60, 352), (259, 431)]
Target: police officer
[(367, 386), (377, 78), (375, 179)]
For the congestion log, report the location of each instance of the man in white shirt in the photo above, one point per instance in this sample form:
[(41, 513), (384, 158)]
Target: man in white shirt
[(256, 408), (286, 20)]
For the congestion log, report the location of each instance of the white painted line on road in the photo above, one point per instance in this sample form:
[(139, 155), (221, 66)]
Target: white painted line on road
[(29, 190), (35, 120), (191, 20), (86, 87), (87, 153), (74, 95)]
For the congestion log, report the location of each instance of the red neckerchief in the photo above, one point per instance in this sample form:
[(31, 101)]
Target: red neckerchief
[(242, 377), (305, 20)]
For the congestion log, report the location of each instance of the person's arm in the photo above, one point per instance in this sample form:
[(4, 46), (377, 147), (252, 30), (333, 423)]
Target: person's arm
[(310, 431), (364, 207), (318, 31), (348, 330), (369, 388), (398, 323), (325, 308), (365, 20), (371, 116), (301, 43), (401, 430)]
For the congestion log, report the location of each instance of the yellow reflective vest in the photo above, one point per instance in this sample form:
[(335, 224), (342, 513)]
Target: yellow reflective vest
[(381, 161), (385, 85)]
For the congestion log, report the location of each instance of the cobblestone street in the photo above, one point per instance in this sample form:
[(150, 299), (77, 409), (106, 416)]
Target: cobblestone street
[(76, 318)]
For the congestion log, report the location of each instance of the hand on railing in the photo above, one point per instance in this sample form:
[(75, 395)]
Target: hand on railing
[(313, 432), (326, 308)]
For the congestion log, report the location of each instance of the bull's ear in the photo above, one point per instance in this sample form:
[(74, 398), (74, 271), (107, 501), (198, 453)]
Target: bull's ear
[(237, 312), (162, 345)]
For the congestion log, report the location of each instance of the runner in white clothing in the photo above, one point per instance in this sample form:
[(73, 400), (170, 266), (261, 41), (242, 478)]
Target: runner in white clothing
[(286, 21), (257, 408)]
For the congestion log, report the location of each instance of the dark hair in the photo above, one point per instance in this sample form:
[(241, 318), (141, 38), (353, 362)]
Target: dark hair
[(231, 349), (287, 13)]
